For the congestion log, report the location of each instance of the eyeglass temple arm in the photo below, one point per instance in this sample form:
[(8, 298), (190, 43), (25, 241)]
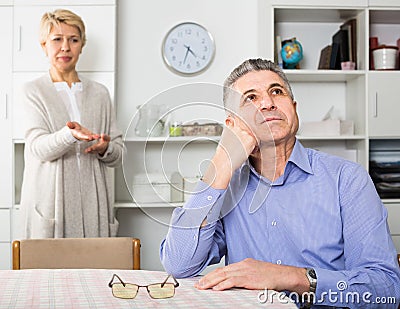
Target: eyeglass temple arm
[(176, 284), (112, 279)]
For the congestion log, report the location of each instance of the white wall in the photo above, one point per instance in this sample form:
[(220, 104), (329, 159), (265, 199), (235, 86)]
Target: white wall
[(142, 74)]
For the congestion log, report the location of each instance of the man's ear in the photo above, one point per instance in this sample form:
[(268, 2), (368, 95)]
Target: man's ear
[(229, 120)]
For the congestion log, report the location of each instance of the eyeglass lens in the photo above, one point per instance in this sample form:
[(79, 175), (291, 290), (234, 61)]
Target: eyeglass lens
[(128, 291), (160, 290), (157, 290)]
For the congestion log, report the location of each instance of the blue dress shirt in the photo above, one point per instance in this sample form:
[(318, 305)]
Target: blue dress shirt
[(323, 212)]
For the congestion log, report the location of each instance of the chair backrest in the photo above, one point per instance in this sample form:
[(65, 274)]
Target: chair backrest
[(100, 253)]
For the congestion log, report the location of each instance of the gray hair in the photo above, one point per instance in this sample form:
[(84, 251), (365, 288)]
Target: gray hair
[(251, 65)]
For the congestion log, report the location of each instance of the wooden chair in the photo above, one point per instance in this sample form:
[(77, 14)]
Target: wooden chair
[(100, 253)]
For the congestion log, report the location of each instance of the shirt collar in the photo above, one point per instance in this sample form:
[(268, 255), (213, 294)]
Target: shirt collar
[(64, 86), (299, 157), (78, 86)]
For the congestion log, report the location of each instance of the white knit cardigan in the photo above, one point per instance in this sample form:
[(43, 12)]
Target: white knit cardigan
[(57, 198)]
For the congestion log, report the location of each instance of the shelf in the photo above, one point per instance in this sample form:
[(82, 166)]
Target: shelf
[(391, 201), (147, 205), (162, 139), (384, 16), (320, 15), (372, 137), (377, 72), (323, 75)]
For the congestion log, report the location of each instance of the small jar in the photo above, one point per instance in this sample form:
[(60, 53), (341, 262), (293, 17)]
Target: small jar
[(175, 129), (385, 57)]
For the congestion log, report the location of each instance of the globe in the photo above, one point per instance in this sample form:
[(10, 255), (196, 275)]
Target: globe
[(292, 53)]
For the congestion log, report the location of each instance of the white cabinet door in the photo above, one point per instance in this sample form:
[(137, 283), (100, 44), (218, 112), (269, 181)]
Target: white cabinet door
[(16, 227), (5, 258), (97, 55), (394, 222), (394, 218), (5, 107), (5, 236), (5, 226), (384, 104)]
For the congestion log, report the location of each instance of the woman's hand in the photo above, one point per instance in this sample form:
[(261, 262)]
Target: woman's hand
[(83, 134), (101, 146), (80, 132)]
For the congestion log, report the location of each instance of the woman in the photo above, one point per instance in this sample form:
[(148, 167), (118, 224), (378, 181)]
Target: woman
[(71, 141)]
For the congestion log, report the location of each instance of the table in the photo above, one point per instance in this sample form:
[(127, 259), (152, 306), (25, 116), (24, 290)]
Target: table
[(88, 288)]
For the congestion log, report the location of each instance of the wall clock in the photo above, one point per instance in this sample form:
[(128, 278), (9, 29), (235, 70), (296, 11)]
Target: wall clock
[(188, 48)]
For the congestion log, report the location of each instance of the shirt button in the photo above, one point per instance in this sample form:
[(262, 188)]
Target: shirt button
[(209, 198), (273, 223), (279, 262)]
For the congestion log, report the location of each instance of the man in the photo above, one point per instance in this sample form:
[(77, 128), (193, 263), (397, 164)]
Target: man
[(285, 217)]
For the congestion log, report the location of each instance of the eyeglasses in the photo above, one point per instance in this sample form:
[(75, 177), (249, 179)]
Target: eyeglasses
[(130, 290)]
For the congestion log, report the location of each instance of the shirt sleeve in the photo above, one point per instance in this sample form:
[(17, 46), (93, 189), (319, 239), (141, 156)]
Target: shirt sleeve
[(188, 248), (371, 275)]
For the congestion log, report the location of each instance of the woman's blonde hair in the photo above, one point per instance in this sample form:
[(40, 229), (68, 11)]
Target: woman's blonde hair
[(54, 19)]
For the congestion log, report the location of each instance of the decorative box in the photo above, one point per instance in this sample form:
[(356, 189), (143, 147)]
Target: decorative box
[(205, 129), (151, 188), (330, 127)]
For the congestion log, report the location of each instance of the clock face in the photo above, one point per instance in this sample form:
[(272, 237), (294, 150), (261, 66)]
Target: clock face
[(188, 48)]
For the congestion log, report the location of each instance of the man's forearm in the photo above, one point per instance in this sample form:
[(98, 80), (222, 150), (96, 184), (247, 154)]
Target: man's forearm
[(188, 247)]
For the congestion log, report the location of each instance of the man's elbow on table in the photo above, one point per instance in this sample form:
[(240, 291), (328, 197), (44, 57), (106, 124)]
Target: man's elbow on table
[(176, 265)]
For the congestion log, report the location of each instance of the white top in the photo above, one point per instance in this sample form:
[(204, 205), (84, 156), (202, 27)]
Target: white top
[(72, 98)]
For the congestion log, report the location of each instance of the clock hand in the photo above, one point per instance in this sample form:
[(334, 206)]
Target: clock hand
[(192, 52), (187, 52)]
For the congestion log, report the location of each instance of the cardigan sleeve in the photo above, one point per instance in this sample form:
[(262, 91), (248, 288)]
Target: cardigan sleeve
[(115, 151), (44, 141)]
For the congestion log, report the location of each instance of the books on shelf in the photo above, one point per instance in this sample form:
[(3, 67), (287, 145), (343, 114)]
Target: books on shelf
[(325, 58), (335, 57), (340, 38), (278, 46), (342, 49), (351, 27)]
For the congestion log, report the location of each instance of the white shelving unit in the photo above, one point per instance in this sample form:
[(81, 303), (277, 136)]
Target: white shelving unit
[(383, 99), (318, 91)]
